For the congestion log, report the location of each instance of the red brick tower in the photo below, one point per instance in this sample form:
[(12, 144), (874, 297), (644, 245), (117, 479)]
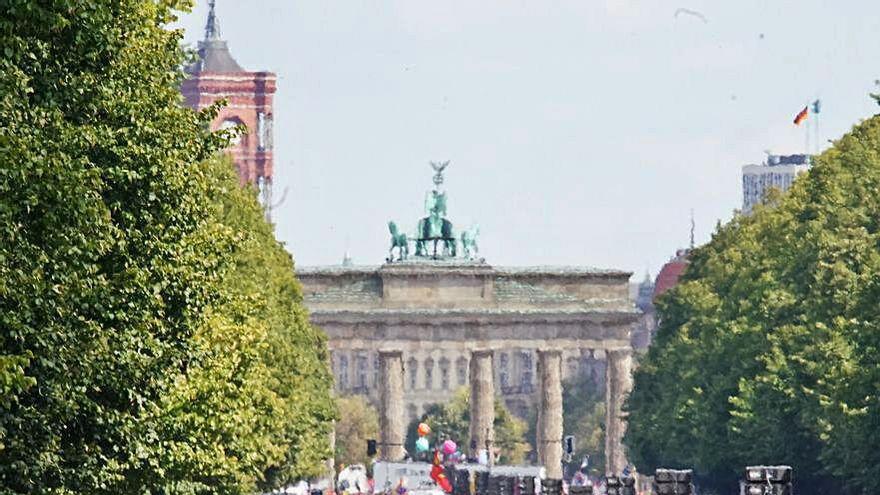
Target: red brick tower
[(249, 98)]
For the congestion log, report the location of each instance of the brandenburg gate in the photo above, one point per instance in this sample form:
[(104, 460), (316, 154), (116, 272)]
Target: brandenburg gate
[(407, 333)]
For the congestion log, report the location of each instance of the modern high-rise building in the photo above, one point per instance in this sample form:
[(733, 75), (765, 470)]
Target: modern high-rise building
[(779, 171), (249, 98)]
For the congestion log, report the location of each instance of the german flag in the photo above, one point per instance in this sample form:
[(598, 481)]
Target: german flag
[(801, 116)]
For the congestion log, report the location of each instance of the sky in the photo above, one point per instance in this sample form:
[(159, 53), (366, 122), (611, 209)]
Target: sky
[(580, 132)]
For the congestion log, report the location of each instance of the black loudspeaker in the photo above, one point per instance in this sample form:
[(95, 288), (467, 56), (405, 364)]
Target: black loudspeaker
[(501, 485), (580, 490), (673, 475), (768, 474), (527, 485), (461, 482), (673, 481), (769, 480), (494, 485), (672, 488), (551, 487), (769, 489), (371, 447), (482, 482), (509, 485)]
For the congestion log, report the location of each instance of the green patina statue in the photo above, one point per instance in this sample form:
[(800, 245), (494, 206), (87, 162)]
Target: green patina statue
[(434, 237), (399, 241), (435, 229), (469, 247)]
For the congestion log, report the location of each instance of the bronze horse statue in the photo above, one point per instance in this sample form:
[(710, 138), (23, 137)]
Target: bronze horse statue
[(399, 241)]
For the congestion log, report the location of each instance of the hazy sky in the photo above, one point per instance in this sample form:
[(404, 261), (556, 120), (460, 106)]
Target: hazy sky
[(580, 132)]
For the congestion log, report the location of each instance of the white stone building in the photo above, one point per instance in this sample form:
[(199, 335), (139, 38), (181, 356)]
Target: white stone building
[(779, 171)]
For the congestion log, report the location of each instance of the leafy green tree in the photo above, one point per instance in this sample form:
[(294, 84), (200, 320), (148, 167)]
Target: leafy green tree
[(767, 349), (583, 413), (452, 421), (358, 422), (134, 358), (268, 296)]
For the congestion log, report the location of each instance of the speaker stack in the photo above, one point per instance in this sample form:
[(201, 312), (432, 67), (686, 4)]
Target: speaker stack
[(580, 490), (551, 487), (673, 482), (769, 480)]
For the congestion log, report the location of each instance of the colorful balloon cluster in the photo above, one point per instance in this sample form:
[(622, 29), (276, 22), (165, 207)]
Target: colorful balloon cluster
[(422, 444), (448, 448)]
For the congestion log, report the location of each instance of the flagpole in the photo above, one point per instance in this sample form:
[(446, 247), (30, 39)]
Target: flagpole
[(817, 109), (807, 138)]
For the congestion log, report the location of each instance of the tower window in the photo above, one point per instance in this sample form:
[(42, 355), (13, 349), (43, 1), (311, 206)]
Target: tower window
[(231, 123)]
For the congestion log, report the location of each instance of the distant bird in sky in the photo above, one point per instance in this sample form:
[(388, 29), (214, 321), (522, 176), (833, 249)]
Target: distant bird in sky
[(690, 12)]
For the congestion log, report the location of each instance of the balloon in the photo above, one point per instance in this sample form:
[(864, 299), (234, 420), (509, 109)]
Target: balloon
[(422, 445), (424, 429), (449, 447)]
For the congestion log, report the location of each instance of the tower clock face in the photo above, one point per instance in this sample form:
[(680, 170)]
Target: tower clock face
[(229, 124)]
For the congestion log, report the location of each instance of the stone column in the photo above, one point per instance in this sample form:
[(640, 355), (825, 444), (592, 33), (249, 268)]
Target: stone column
[(482, 402), (549, 432), (618, 383), (392, 426)]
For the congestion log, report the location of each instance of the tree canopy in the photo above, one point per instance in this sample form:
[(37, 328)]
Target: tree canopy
[(358, 422), (152, 338), (768, 350)]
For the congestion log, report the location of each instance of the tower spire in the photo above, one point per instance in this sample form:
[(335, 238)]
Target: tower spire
[(212, 29)]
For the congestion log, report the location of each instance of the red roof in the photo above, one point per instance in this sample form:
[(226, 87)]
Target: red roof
[(668, 276)]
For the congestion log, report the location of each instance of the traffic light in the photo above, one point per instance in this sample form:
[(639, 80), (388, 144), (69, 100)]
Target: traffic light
[(673, 482), (371, 447), (768, 480), (569, 444)]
